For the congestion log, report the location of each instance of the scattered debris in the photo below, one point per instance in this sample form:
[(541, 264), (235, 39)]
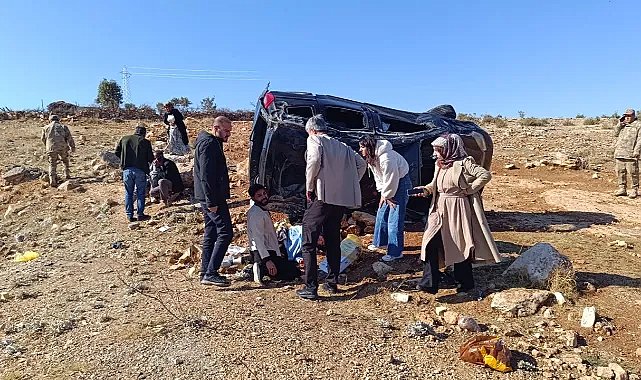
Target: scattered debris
[(468, 324), (420, 329), (621, 244), (440, 310), (520, 302), (510, 167), (134, 225), (560, 299), (487, 350), (26, 256), (400, 297), (589, 317)]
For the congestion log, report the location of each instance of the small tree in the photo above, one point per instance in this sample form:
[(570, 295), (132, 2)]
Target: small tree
[(160, 108), (109, 94), (208, 104), (521, 114), (181, 103), (130, 106)]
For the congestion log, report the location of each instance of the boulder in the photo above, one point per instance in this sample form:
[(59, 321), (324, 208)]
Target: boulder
[(469, 324), (619, 372), (363, 217), (520, 302), (110, 159), (538, 263)]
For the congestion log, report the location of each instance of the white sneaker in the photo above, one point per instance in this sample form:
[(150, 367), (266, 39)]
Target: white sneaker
[(388, 258), (374, 248), (258, 278)]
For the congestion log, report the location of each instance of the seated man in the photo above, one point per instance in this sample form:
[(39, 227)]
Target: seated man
[(166, 183), (268, 258)]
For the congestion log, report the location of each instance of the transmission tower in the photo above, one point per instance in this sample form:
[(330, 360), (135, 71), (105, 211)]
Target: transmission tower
[(125, 84)]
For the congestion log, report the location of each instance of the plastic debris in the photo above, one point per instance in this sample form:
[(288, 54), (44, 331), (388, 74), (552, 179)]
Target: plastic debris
[(26, 256)]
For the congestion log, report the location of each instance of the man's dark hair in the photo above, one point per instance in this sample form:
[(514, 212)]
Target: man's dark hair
[(141, 131), (253, 189)]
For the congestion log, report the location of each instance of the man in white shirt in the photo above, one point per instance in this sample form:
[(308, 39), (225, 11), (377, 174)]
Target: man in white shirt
[(268, 258)]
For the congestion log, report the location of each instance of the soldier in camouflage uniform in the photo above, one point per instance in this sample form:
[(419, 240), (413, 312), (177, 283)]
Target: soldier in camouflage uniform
[(626, 152), (58, 141)]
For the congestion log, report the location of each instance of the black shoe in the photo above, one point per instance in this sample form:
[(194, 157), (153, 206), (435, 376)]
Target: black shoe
[(307, 293), (429, 290), (142, 218), (215, 279), (465, 289), (131, 219), (330, 288)]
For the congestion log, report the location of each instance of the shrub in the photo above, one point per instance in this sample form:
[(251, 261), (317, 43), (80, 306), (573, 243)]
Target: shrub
[(591, 121), (567, 123), (534, 122), (580, 116), (496, 120)]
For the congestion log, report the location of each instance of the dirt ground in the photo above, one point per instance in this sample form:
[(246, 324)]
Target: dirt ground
[(85, 310)]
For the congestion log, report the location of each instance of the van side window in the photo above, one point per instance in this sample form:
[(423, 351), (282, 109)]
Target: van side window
[(302, 111), (399, 126), (343, 118)]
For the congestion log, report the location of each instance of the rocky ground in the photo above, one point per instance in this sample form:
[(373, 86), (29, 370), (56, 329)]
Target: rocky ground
[(87, 310)]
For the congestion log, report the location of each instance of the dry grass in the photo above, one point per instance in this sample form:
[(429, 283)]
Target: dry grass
[(563, 280), (13, 375)]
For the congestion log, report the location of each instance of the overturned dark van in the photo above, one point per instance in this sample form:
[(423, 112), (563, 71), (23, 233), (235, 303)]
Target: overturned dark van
[(278, 142)]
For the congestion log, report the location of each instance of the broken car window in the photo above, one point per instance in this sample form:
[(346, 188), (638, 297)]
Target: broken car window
[(343, 118)]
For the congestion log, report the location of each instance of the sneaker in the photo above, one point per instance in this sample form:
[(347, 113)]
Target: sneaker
[(215, 279), (143, 217), (258, 277), (131, 219), (374, 248), (389, 258), (633, 194), (330, 288), (621, 192), (307, 293)]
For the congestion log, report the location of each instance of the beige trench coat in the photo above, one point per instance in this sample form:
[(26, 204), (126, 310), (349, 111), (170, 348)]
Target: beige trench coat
[(472, 178)]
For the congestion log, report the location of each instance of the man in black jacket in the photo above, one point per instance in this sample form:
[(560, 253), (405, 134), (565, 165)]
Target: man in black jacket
[(211, 189), (179, 119), (166, 183), (135, 156)]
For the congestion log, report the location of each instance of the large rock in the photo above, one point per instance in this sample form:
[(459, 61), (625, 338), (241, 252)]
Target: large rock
[(538, 263), (68, 185), (20, 174), (363, 217), (110, 159), (520, 302)]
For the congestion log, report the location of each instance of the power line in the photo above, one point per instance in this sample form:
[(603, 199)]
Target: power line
[(189, 76), (193, 70)]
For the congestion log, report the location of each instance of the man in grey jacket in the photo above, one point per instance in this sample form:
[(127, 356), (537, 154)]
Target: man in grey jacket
[(332, 177), (626, 152)]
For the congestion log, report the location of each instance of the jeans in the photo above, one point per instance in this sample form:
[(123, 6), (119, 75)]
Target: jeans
[(390, 222), (163, 190), (216, 240), (134, 178), (326, 218)]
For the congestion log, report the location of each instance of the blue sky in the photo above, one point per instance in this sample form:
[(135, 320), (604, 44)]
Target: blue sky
[(546, 58)]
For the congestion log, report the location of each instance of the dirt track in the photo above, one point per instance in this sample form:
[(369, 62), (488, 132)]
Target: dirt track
[(85, 310)]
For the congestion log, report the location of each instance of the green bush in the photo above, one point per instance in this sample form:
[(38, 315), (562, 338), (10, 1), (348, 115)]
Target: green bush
[(580, 116)]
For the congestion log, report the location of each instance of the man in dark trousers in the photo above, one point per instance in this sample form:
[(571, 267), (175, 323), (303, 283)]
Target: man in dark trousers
[(211, 189), (332, 176), (166, 183), (135, 156), (178, 118)]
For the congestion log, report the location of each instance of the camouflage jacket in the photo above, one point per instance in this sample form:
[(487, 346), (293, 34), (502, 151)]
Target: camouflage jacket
[(57, 138), (628, 143)]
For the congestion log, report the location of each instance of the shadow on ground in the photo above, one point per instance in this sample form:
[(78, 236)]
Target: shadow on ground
[(558, 221)]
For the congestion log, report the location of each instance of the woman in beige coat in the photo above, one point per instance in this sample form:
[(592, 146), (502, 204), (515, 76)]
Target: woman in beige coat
[(457, 232)]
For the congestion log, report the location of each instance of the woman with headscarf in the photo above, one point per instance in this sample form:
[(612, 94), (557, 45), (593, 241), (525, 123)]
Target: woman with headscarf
[(457, 232), (176, 144), (391, 174)]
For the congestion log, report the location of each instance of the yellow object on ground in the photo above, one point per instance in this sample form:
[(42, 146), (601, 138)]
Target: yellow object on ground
[(26, 256)]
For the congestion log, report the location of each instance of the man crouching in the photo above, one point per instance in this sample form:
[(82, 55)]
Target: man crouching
[(268, 258)]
